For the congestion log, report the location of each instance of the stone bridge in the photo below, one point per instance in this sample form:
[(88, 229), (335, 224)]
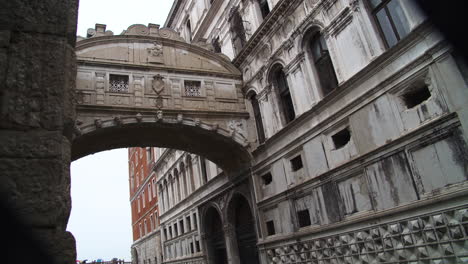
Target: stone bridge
[(147, 87)]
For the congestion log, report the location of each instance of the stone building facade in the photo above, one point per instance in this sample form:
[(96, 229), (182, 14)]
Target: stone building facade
[(360, 150)]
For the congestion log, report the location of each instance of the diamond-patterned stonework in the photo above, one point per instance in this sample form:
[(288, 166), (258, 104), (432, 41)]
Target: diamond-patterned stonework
[(437, 238)]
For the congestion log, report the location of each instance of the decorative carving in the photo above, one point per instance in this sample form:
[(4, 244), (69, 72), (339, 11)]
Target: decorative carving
[(236, 127), (155, 53), (157, 84)]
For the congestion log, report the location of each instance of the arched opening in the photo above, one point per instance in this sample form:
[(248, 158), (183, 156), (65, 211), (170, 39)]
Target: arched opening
[(241, 218), (279, 81), (215, 242), (320, 60)]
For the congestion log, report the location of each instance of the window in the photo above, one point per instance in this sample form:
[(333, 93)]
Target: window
[(323, 64), (304, 218), (197, 246), (189, 224), (141, 231), (391, 20), (416, 96), (281, 84), (203, 169), (181, 223), (258, 118), (216, 45), (149, 155), (192, 88), (270, 228), (267, 179), (143, 198), (195, 221), (237, 30), (149, 192), (341, 138), (118, 83), (146, 227), (175, 230), (191, 248), (264, 8), (296, 163), (188, 28), (138, 201)]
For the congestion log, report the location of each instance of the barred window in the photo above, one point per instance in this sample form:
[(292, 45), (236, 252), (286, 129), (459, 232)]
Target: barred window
[(192, 88), (118, 83)]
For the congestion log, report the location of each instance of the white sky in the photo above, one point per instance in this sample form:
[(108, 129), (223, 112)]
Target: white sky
[(100, 219)]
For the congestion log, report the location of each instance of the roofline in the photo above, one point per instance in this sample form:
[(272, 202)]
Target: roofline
[(172, 13)]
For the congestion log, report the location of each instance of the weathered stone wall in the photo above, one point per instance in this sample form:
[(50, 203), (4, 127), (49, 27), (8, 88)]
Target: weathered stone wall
[(37, 75)]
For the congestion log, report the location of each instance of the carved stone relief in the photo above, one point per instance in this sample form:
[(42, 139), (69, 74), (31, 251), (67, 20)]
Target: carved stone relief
[(155, 53)]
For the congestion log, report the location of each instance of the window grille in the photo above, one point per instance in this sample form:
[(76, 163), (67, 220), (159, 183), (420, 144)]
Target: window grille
[(118, 83), (192, 88)]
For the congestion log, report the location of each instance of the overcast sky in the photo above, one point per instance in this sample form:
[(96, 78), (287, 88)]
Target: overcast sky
[(100, 219)]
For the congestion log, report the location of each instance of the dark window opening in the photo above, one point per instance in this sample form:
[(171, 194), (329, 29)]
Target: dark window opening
[(191, 248), (267, 179), (296, 163), (323, 64), (195, 221), (341, 138), (175, 230), (416, 96), (304, 218), (189, 224), (258, 118), (216, 45), (264, 8), (237, 30), (270, 227), (170, 232), (165, 234), (189, 31), (391, 20), (181, 223), (286, 103), (203, 169), (197, 246)]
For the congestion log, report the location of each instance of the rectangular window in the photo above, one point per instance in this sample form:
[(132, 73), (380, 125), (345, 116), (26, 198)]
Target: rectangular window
[(195, 221), (192, 88), (189, 224), (341, 138), (416, 96), (304, 218), (237, 30), (149, 192), (296, 163), (143, 197), (181, 223), (391, 20), (267, 179), (270, 228), (175, 230), (118, 83)]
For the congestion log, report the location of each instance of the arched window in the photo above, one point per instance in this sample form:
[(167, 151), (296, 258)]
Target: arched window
[(176, 175), (279, 81), (258, 117), (323, 64)]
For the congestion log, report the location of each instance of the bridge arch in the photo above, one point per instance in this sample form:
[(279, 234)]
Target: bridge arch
[(147, 87)]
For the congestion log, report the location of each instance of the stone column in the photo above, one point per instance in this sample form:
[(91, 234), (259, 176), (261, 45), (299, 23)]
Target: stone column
[(231, 244), (37, 116)]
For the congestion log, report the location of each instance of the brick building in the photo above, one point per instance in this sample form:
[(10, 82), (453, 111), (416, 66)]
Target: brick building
[(144, 205)]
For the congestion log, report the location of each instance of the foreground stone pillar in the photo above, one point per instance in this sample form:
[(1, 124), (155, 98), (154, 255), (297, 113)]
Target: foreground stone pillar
[(37, 78)]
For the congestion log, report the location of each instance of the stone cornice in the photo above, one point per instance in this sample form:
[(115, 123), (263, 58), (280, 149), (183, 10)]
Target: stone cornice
[(266, 26)]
